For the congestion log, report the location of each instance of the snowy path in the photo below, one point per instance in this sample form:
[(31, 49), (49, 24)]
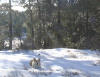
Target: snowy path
[(61, 62)]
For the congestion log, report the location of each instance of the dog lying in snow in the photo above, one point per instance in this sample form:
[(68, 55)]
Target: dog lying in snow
[(35, 63)]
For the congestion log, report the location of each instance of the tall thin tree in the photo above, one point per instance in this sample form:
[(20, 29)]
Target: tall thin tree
[(59, 13), (10, 25), (31, 25)]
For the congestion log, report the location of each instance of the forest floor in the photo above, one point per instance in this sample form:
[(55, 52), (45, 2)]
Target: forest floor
[(58, 62)]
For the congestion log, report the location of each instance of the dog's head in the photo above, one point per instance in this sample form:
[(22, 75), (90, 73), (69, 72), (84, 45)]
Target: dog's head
[(35, 61)]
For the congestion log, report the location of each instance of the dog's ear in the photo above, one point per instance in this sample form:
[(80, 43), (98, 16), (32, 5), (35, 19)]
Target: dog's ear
[(31, 62), (35, 59)]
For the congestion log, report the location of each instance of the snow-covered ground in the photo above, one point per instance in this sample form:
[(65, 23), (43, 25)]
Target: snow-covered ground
[(58, 62)]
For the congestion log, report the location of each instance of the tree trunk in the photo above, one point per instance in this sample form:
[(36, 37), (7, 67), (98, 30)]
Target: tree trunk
[(59, 14), (10, 26), (31, 25)]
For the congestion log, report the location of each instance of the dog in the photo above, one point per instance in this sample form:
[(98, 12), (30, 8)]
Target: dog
[(35, 63)]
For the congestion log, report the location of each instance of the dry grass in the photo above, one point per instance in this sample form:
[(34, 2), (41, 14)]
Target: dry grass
[(70, 74), (72, 55), (96, 63)]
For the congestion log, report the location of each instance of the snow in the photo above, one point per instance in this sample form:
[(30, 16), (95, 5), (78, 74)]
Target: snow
[(58, 62), (16, 43)]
